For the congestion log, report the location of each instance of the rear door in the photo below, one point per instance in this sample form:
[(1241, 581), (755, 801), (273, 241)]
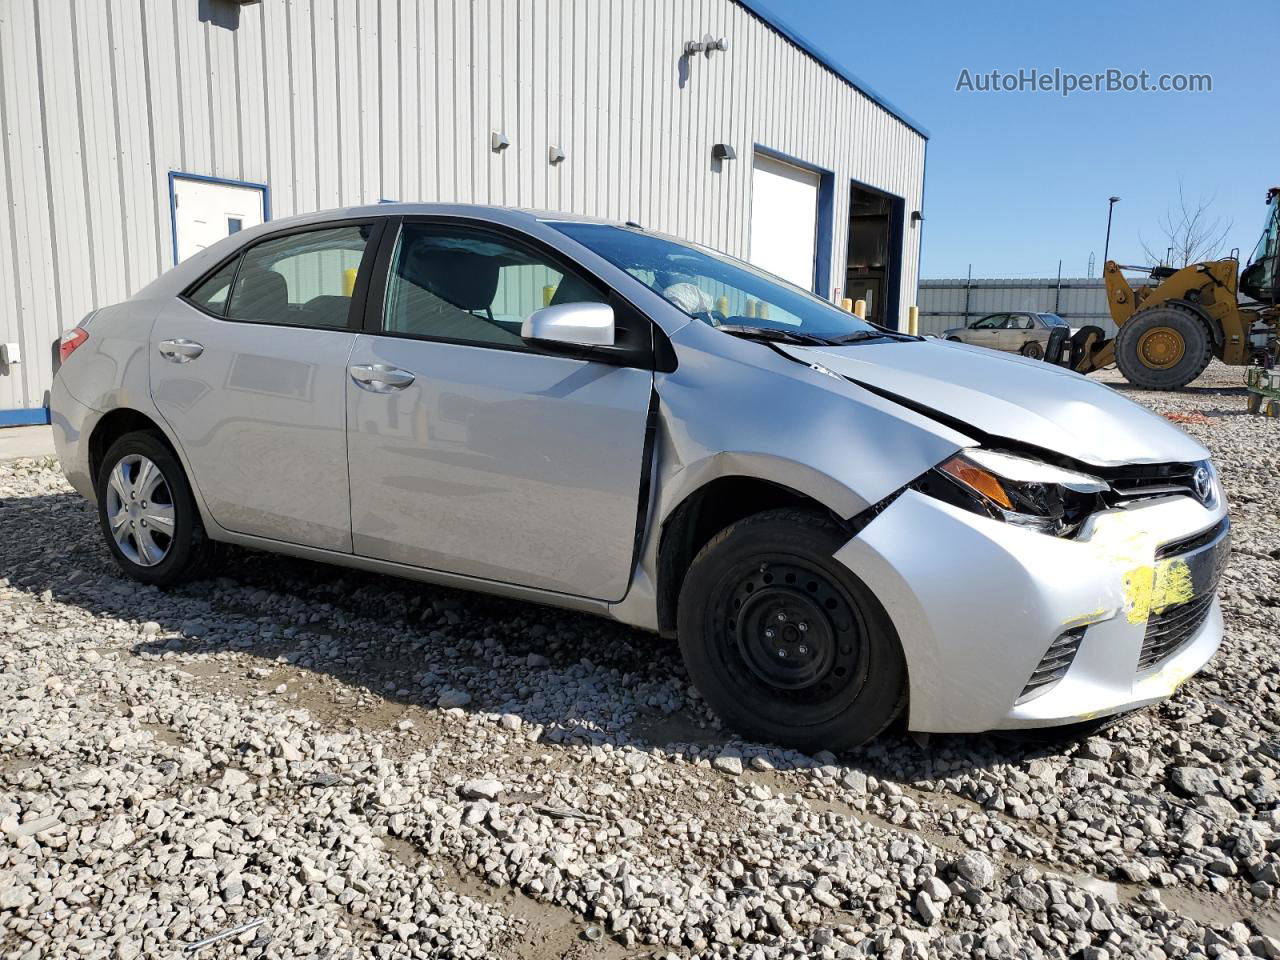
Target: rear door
[(475, 453), (1016, 332), (250, 372)]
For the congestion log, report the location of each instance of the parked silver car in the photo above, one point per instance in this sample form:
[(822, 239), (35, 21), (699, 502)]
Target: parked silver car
[(1024, 333), (839, 522)]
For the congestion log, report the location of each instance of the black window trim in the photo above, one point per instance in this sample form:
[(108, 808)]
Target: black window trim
[(375, 302), (368, 263)]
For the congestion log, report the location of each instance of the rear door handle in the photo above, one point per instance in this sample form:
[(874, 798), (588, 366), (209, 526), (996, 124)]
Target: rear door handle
[(379, 377), (180, 351)]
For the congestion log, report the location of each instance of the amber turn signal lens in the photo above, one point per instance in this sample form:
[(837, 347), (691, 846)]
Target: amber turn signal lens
[(975, 478)]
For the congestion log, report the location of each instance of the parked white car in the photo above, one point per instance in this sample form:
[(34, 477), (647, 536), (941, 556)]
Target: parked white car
[(841, 523)]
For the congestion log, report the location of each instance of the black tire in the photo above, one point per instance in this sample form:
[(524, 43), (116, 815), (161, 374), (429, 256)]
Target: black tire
[(1032, 350), (185, 548), (845, 680), (1197, 347), (955, 339)]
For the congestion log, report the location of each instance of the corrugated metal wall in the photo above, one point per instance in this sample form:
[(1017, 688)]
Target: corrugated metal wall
[(338, 102), (1078, 301)]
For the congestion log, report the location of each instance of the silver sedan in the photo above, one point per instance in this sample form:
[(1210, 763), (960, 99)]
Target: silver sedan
[(1024, 333), (841, 523)]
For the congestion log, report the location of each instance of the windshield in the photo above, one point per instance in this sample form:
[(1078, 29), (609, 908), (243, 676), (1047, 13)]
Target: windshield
[(1052, 320), (715, 288)]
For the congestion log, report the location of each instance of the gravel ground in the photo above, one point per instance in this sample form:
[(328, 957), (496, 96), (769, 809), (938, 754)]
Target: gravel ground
[(385, 769)]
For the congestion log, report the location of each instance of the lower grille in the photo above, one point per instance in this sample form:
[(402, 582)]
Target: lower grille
[(1171, 629), (1053, 665)]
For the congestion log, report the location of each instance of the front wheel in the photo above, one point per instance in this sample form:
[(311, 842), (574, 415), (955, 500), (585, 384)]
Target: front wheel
[(1164, 347), (1032, 350), (783, 641), (147, 512)]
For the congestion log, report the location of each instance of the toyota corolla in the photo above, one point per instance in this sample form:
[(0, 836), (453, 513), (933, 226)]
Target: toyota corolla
[(841, 524)]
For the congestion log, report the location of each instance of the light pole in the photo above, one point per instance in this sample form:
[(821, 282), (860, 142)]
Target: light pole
[(1107, 248)]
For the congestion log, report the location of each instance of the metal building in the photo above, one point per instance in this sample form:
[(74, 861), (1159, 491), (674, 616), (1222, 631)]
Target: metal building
[(137, 131), (959, 302)]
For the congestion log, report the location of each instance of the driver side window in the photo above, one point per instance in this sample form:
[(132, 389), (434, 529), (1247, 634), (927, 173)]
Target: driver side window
[(472, 286)]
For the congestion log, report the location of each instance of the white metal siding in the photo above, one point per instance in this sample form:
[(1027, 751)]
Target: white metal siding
[(337, 102), (1079, 301)]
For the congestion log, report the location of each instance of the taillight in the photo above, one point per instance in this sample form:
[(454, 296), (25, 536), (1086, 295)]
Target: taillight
[(68, 342)]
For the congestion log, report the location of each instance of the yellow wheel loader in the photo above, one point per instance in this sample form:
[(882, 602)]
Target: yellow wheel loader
[(1171, 328)]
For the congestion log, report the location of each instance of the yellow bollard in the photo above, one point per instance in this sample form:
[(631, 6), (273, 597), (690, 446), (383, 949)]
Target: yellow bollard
[(722, 306), (348, 281), (548, 292), (846, 304), (860, 309), (763, 311), (913, 320), (750, 308)]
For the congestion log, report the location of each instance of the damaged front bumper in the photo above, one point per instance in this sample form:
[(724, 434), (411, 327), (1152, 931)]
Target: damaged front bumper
[(1004, 627)]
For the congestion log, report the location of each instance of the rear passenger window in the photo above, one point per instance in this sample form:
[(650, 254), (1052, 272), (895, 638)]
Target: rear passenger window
[(212, 294), (304, 279)]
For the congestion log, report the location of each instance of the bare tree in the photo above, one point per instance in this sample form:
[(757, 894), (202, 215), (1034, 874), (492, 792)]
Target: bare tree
[(1191, 232)]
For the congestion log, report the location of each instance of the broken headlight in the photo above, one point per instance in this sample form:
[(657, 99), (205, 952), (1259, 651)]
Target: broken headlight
[(1016, 489)]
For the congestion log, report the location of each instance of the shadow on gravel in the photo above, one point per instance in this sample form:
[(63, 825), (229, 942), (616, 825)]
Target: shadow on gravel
[(584, 679)]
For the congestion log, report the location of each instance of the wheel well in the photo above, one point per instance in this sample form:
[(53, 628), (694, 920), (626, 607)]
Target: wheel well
[(114, 426), (702, 515)]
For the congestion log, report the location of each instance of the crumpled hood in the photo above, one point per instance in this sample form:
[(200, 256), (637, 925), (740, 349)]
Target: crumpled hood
[(1008, 396)]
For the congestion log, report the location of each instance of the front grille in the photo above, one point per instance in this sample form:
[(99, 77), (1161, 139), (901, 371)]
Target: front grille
[(1193, 542), (1204, 555), (1140, 481), (1171, 629), (1053, 665)]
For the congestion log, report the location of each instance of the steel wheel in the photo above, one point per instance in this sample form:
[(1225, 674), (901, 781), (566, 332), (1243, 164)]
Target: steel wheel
[(1033, 350), (140, 510), (1161, 348), (791, 636), (783, 641)]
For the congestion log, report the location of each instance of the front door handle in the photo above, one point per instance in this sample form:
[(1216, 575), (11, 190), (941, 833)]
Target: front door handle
[(180, 351), (379, 377)]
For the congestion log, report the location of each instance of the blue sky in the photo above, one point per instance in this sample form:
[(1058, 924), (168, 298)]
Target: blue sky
[(1016, 181)]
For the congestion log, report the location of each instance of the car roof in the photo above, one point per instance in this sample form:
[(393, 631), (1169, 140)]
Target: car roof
[(392, 208), (188, 271)]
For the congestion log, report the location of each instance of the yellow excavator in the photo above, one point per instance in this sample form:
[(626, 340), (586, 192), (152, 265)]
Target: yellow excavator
[(1169, 329)]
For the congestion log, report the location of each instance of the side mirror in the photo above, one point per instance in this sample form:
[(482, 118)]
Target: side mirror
[(574, 324)]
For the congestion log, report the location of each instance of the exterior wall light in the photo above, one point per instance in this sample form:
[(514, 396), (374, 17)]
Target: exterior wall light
[(722, 151), (498, 141), (917, 216), (554, 155), (706, 46)]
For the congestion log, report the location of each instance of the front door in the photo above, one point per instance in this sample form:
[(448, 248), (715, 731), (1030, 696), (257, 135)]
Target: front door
[(474, 453), (250, 372), (986, 332)]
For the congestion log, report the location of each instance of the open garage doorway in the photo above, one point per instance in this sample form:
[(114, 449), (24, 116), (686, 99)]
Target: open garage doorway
[(874, 270)]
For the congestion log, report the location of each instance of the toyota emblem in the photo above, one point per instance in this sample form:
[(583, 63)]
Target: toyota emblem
[(1203, 484)]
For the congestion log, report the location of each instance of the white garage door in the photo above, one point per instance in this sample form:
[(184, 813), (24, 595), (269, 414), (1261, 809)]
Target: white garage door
[(784, 219), (205, 211)]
